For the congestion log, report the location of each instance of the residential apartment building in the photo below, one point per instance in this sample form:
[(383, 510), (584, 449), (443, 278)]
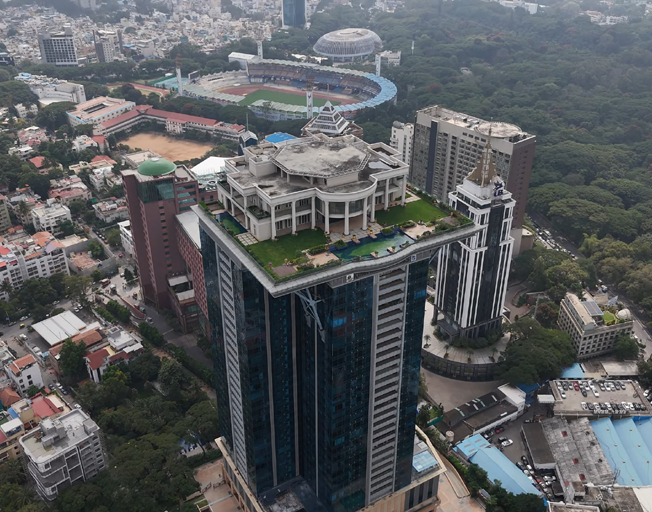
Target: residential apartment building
[(126, 237), (11, 430), (48, 216), (83, 142), (63, 451), (5, 220), (107, 45), (293, 13), (156, 192), (58, 48), (25, 372), (99, 110), (111, 210), (51, 90), (23, 212), (276, 189), (592, 331), (102, 177), (24, 256), (448, 144), (401, 139), (317, 371)]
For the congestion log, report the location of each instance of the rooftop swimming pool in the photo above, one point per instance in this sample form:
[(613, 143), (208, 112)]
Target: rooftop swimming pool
[(368, 245), (230, 223)]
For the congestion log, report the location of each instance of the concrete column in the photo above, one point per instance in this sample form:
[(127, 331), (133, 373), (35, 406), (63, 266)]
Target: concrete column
[(273, 211), (364, 214), (244, 202), (312, 213), (386, 193), (403, 188), (373, 207), (294, 217), (346, 217), (327, 226)]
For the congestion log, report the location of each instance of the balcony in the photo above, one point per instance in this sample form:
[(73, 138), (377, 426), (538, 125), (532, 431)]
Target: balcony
[(258, 212)]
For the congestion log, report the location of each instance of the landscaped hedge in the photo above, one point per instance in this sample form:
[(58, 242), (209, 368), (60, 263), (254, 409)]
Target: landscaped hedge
[(192, 365), (387, 231), (105, 314), (198, 460), (318, 249)]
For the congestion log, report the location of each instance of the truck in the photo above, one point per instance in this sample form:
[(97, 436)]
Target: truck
[(113, 289), (105, 282)]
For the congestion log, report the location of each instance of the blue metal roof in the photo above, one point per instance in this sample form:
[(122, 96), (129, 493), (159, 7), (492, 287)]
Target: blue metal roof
[(277, 137), (572, 372), (422, 461), (499, 467), (644, 426), (471, 445), (626, 452), (12, 413)]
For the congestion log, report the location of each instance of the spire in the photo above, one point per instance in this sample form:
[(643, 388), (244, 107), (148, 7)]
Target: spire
[(485, 172)]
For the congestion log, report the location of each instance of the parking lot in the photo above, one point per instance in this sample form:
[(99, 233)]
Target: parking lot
[(569, 400)]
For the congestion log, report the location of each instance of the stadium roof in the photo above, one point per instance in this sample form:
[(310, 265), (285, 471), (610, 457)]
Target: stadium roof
[(626, 448), (61, 327), (199, 92), (348, 43)]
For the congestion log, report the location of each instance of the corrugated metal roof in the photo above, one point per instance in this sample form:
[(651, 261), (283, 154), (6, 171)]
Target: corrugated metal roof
[(499, 467)]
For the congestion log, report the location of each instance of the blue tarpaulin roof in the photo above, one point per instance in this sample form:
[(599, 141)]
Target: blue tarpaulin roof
[(627, 453), (499, 467), (277, 137), (572, 372)]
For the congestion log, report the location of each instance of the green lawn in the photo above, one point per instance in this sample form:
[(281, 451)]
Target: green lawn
[(282, 97), (416, 211), (608, 318), (287, 246)]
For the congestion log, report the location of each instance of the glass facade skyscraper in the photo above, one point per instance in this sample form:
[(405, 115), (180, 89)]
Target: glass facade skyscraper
[(294, 13)]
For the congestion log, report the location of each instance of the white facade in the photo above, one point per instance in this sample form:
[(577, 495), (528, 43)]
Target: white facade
[(584, 323), (102, 178), (63, 451), (50, 90), (22, 152), (23, 110), (127, 238), (472, 275), (99, 110), (276, 189), (401, 139), (111, 210), (83, 142), (25, 372), (49, 216)]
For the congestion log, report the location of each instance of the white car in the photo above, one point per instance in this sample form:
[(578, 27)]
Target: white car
[(563, 395), (77, 406), (596, 393), (584, 406), (507, 443)]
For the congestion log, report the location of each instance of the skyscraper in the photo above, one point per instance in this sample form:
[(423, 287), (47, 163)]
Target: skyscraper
[(58, 48), (472, 274), (294, 13), (317, 367), (447, 145)]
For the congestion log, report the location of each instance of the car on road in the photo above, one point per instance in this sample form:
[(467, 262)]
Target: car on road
[(507, 443), (150, 320), (22, 326), (23, 337)]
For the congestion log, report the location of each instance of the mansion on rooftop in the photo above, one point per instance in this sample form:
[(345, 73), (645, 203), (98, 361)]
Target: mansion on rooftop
[(336, 184)]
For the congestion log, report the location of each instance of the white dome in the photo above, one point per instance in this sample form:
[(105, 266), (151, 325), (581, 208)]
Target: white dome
[(624, 314), (348, 43)]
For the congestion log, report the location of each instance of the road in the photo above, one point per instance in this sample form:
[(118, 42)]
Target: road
[(640, 328)]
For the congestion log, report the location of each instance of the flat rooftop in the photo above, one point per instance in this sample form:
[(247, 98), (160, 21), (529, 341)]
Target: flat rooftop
[(537, 443), (572, 404), (99, 106), (60, 327), (77, 426), (563, 507)]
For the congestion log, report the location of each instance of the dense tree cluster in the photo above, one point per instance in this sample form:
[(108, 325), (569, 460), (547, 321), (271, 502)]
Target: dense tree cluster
[(534, 353)]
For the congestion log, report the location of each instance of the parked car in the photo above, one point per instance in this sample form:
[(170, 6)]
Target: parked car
[(507, 443), (501, 439), (524, 460), (499, 429)]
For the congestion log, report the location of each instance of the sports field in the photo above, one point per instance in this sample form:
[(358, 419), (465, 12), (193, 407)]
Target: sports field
[(282, 97)]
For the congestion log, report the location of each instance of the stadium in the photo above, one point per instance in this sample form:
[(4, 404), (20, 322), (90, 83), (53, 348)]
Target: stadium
[(276, 89)]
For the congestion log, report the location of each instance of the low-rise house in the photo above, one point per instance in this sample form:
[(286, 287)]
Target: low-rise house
[(111, 210), (23, 152), (67, 190), (25, 372), (49, 216), (83, 142), (122, 347)]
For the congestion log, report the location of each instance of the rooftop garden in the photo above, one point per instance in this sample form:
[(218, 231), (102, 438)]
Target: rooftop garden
[(417, 211), (286, 247), (609, 318)]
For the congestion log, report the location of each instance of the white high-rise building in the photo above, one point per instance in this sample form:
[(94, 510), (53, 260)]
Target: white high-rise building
[(472, 274), (401, 140)]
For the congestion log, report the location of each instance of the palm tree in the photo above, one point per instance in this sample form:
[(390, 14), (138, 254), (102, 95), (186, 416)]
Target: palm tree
[(427, 339), (23, 208), (5, 287)]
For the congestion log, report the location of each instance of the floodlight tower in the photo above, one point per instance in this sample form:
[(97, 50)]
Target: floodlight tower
[(310, 84)]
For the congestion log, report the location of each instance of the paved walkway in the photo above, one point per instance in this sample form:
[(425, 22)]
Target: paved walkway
[(449, 501)]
